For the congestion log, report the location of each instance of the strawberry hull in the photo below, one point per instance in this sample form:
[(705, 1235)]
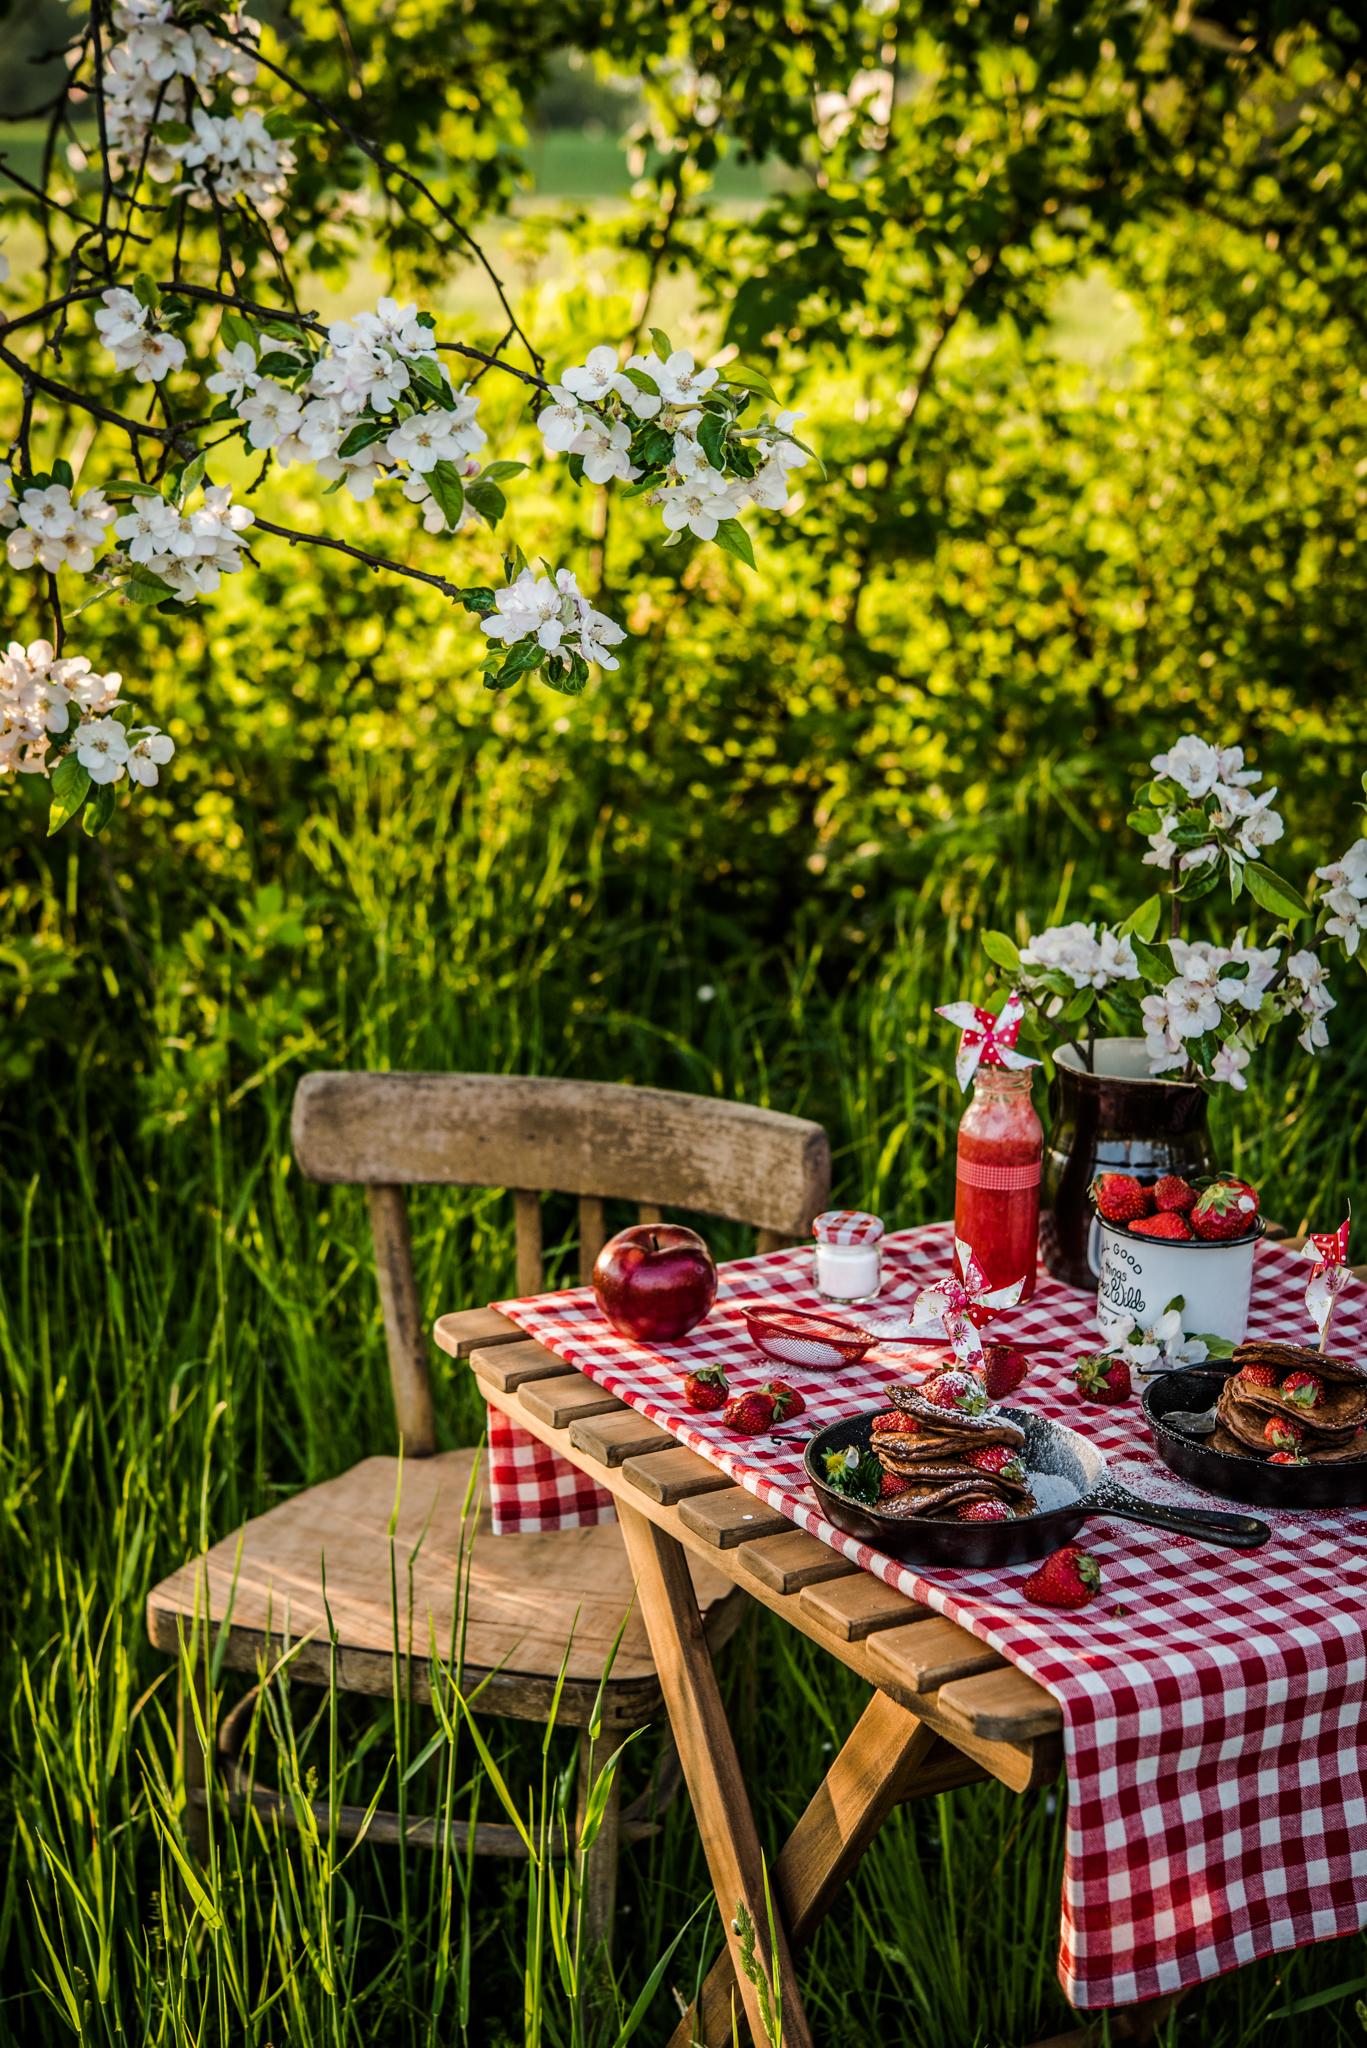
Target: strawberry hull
[(1141, 1276)]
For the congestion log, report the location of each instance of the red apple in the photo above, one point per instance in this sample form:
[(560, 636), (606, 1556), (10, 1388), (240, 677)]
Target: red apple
[(655, 1281)]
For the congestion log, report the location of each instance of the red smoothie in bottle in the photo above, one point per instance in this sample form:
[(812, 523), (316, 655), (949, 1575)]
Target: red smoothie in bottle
[(996, 1195)]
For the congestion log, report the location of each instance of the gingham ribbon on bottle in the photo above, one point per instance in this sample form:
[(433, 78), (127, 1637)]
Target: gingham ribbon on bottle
[(998, 1180)]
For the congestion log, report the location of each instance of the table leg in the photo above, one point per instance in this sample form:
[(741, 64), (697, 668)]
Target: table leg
[(712, 1770), (889, 1757)]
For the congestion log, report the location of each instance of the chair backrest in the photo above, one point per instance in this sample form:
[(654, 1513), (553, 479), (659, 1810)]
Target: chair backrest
[(596, 1140)]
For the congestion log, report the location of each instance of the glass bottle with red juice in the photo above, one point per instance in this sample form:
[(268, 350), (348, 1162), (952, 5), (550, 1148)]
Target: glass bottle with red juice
[(996, 1193)]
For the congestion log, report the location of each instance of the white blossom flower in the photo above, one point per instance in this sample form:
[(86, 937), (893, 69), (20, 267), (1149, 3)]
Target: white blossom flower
[(645, 404), (1229, 767), (1349, 918), (270, 412), (1162, 1045), (679, 380), (598, 377), (562, 421), (1192, 763), (605, 448), (1192, 1008), (1259, 826), (390, 326), (357, 375), (102, 749), (237, 373), (556, 614), (699, 503), (150, 751), (1350, 873), (188, 551), (54, 532), (1075, 950), (427, 438), (1228, 1065)]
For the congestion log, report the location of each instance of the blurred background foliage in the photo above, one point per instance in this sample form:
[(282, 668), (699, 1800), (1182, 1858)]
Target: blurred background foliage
[(1074, 302)]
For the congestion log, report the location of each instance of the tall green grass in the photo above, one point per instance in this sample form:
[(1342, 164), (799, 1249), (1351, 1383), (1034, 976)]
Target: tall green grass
[(188, 1332)]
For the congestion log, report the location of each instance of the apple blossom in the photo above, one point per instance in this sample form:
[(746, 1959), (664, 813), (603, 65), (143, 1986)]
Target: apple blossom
[(605, 448), (237, 373), (1192, 763), (598, 377), (553, 612), (562, 421), (1228, 1065), (102, 749), (150, 751), (270, 412)]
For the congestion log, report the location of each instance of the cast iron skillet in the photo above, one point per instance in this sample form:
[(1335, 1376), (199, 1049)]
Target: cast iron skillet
[(1250, 1479), (1049, 1447)]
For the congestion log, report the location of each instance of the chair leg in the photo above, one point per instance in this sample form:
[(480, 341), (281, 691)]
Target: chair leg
[(600, 1868)]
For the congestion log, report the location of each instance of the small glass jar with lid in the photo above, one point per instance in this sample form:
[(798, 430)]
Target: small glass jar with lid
[(849, 1255)]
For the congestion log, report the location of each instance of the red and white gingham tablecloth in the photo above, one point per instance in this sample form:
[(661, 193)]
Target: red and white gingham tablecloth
[(1212, 1699)]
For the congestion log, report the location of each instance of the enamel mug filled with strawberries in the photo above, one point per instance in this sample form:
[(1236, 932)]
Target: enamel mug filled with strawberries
[(1158, 1256)]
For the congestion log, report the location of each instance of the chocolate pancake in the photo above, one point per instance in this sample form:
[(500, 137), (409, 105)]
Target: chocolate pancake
[(990, 1427), (941, 1505), (1300, 1358), (900, 1452), (930, 1478), (1343, 1409), (1221, 1440), (1247, 1420)]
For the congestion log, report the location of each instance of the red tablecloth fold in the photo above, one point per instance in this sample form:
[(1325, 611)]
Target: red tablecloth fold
[(1212, 1700)]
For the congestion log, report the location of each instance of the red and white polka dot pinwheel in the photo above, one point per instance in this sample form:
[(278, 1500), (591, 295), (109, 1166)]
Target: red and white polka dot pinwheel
[(986, 1041), (1328, 1275)]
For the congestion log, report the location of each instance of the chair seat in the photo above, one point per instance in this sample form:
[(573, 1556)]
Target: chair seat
[(531, 1601)]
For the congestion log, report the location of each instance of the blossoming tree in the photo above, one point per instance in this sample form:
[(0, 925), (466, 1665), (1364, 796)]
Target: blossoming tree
[(1200, 1006), (178, 254)]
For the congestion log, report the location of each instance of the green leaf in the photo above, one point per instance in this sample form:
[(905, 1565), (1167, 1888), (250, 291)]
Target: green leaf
[(170, 131), (487, 499), (1002, 951), (145, 289), (479, 600), (1144, 922), (652, 447), (62, 474), (70, 784), (643, 381), (145, 588), (569, 681), (191, 477), (731, 536), (499, 472), (362, 435), (129, 487), (1082, 1005), (1198, 882), (1273, 894), (746, 379), (425, 372), (1146, 822), (1153, 964), (99, 810), (712, 439), (664, 349), (279, 362), (234, 328), (444, 482)]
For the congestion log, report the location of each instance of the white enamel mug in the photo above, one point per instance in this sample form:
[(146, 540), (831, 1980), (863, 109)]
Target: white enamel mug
[(1140, 1276)]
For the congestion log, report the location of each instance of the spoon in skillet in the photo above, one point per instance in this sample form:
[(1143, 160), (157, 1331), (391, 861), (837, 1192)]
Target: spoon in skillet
[(1192, 1421)]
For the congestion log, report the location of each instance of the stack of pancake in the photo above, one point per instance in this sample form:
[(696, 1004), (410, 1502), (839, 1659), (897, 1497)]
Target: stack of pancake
[(1330, 1429), (931, 1452)]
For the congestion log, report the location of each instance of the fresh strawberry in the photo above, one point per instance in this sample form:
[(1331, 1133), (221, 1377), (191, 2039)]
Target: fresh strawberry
[(1067, 1579), (998, 1460), (1173, 1193), (1287, 1458), (1103, 1377), (786, 1399), (1167, 1223), (891, 1484), (985, 1511), (1225, 1210), (961, 1391), (705, 1389), (1282, 1433), (1303, 1389), (896, 1420), (749, 1414), (1003, 1370), (1119, 1197), (1261, 1376)]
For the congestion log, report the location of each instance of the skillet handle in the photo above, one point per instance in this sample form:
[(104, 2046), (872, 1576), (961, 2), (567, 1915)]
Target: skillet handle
[(1207, 1525)]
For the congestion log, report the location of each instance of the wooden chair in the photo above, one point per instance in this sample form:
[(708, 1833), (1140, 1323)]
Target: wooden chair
[(314, 1576)]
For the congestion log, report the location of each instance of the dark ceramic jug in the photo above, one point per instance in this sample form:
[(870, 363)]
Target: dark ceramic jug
[(1118, 1118)]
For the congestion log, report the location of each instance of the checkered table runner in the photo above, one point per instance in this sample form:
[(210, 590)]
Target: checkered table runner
[(1212, 1699)]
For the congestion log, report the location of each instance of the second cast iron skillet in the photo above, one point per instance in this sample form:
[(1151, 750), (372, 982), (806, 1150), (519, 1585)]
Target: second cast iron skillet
[(1049, 1448)]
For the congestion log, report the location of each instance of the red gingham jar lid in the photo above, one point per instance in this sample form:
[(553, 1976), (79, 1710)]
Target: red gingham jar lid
[(846, 1226)]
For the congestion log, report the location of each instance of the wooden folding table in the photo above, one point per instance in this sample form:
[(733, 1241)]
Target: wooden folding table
[(946, 1710)]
